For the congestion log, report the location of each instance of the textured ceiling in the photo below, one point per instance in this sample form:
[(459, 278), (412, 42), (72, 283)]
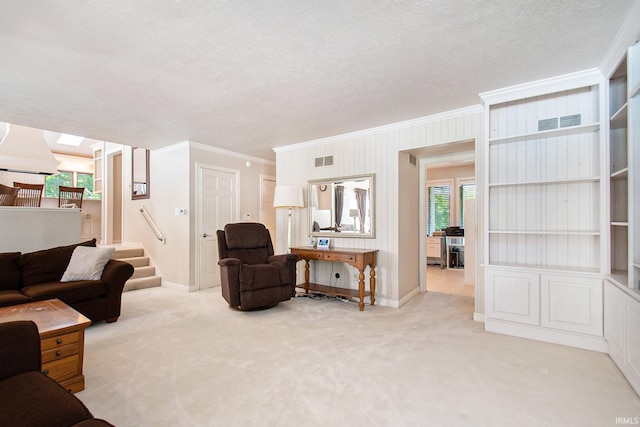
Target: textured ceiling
[(249, 76)]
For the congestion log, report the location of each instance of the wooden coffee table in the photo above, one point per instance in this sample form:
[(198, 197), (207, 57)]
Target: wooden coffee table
[(61, 331)]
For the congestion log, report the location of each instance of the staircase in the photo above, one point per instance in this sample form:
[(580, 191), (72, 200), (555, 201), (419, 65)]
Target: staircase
[(143, 274)]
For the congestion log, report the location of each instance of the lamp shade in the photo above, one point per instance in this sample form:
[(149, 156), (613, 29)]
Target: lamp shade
[(354, 213), (288, 196)]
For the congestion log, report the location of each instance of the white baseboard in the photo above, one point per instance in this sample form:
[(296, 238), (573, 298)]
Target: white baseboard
[(478, 317), (177, 286), (547, 335)]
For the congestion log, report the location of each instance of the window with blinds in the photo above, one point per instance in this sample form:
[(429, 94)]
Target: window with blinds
[(467, 191), (439, 213)]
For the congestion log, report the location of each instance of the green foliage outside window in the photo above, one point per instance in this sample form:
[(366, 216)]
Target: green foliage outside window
[(70, 179), (52, 182), (439, 203), (86, 180)]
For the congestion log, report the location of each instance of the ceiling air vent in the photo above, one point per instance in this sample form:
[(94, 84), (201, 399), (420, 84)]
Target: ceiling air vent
[(412, 159), (328, 161), (319, 162), (572, 120)]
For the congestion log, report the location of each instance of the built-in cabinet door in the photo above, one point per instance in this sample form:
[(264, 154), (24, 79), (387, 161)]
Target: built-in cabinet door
[(633, 342), (571, 303), (513, 296), (615, 309)]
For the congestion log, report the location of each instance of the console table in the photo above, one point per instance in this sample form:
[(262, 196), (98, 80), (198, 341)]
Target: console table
[(358, 258)]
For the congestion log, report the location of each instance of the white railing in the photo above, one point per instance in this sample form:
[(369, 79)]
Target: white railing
[(152, 224)]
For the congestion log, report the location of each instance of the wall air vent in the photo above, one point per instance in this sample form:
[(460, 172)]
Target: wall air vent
[(547, 124), (413, 160), (324, 161), (572, 120)]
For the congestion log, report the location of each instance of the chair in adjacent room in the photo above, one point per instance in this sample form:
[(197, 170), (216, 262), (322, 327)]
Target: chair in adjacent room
[(29, 195), (8, 195), (252, 276), (70, 195)]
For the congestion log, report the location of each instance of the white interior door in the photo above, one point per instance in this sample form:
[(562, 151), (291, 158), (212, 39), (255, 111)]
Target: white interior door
[(267, 211), (218, 206)]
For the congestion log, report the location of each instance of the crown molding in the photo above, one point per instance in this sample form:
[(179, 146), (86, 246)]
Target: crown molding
[(474, 109), (592, 76), (627, 35), (216, 150)]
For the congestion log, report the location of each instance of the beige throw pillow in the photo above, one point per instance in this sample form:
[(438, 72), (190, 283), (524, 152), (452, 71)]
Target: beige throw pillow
[(87, 263)]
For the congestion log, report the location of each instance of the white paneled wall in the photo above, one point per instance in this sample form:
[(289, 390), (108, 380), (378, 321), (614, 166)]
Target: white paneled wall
[(376, 151)]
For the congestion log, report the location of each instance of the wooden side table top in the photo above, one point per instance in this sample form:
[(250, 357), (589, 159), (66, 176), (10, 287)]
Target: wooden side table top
[(53, 317)]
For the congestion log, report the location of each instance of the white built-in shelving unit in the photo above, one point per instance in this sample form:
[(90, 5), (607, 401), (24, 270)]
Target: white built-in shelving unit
[(622, 284), (544, 212)]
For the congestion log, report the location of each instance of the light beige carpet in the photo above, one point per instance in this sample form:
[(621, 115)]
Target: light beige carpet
[(177, 359)]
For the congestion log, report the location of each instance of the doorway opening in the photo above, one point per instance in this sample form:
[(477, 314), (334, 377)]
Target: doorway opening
[(448, 219)]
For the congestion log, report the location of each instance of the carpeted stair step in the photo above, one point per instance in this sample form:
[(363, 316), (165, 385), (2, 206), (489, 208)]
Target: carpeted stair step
[(145, 271), (140, 261), (142, 283), (143, 274), (125, 252)]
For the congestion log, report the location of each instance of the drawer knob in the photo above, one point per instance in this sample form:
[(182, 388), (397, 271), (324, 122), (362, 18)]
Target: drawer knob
[(59, 341), (58, 353), (46, 372)]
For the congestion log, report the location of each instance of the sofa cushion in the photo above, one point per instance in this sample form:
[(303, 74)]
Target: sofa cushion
[(12, 297), (47, 265), (32, 399), (67, 292), (9, 271), (87, 263)]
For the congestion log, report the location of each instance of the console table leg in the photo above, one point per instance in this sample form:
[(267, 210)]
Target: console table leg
[(306, 276), (361, 289), (372, 284)]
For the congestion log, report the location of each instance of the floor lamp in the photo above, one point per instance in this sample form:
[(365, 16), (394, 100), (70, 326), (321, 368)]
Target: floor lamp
[(288, 196)]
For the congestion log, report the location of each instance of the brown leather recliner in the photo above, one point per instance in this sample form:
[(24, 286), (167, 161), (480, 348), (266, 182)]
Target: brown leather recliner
[(252, 276)]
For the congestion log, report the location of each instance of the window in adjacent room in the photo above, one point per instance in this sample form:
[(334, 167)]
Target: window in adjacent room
[(467, 191), (70, 179), (439, 212)]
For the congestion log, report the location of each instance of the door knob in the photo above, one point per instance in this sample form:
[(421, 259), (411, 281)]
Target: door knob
[(205, 235)]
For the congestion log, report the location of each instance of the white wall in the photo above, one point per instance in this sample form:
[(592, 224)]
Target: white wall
[(173, 183), (168, 189), (377, 151)]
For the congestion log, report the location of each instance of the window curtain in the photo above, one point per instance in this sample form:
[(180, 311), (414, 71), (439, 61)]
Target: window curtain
[(339, 195), (361, 199)]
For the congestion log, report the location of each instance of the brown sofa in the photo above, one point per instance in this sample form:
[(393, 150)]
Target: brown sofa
[(30, 398), (35, 276)]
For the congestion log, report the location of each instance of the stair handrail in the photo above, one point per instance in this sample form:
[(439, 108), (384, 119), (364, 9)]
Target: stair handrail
[(152, 224)]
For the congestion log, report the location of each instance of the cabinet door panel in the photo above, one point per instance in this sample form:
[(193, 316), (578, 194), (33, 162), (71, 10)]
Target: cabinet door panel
[(513, 296), (572, 304), (614, 321)]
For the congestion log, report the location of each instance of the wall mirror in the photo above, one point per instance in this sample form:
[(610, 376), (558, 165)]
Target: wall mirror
[(342, 207), (139, 173)]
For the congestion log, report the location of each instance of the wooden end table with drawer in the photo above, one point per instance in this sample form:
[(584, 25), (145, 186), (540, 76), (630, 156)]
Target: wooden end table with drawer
[(61, 331)]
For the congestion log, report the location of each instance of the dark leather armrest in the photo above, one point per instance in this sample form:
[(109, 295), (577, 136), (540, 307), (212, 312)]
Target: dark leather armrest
[(19, 348), (115, 275), (229, 261), (283, 258)]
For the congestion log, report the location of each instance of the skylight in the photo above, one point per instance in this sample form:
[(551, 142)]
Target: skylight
[(67, 139)]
